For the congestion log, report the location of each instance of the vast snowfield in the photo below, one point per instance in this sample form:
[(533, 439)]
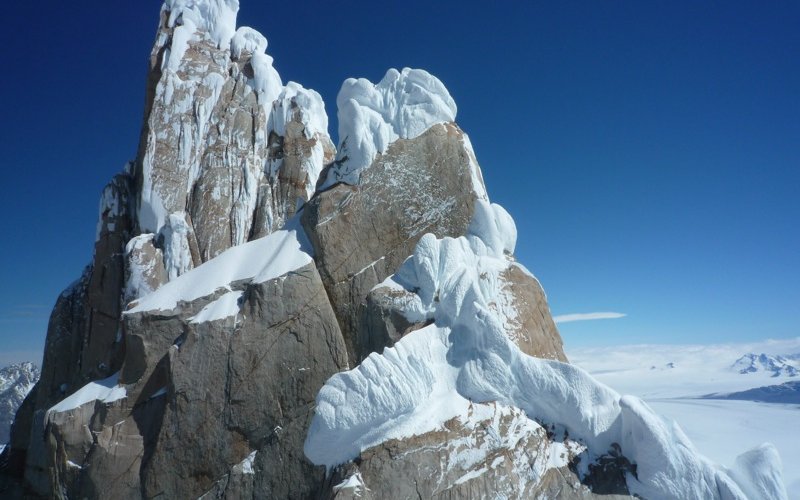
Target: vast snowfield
[(673, 379)]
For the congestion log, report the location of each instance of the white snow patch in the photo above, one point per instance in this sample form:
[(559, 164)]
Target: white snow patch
[(246, 465), (758, 471), (354, 482), (181, 36), (466, 355), (260, 260), (106, 391), (404, 104), (475, 170), (224, 307), (72, 464), (139, 270)]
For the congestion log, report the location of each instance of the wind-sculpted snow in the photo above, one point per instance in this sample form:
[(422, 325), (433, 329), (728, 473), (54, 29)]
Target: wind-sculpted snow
[(757, 471), (467, 355), (404, 104), (247, 40), (214, 18)]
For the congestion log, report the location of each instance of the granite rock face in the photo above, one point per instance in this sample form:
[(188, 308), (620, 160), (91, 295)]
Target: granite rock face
[(492, 451), (247, 383), (362, 233), (186, 411)]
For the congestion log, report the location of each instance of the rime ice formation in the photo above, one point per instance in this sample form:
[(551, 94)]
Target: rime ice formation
[(403, 105), (214, 150), (215, 19), (284, 324), (247, 41), (431, 375)]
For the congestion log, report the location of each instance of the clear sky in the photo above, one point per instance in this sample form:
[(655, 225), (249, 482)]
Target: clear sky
[(649, 151)]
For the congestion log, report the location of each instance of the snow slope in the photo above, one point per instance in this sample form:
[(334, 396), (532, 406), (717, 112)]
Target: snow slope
[(107, 390), (699, 370), (466, 355), (259, 260)]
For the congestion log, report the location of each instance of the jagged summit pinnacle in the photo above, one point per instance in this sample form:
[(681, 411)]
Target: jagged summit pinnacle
[(403, 105), (248, 329)]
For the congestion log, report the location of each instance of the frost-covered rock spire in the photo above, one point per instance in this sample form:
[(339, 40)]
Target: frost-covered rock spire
[(403, 105), (228, 152)]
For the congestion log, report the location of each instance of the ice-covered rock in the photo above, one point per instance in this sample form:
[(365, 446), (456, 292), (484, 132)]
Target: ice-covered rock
[(215, 19), (403, 105), (488, 451), (208, 146), (514, 296), (466, 356), (144, 267), (362, 233)]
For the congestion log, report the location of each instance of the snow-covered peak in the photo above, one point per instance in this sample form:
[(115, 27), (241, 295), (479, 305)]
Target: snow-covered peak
[(215, 19), (16, 381), (266, 80), (25, 374), (765, 363), (403, 105)]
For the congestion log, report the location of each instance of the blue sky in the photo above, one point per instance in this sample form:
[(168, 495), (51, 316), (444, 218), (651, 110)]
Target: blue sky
[(648, 151)]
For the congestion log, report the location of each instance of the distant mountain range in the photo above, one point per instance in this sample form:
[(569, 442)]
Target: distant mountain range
[(776, 365), (786, 393), (15, 383)]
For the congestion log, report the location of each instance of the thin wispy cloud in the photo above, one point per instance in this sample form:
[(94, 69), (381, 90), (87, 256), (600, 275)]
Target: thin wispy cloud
[(566, 318)]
